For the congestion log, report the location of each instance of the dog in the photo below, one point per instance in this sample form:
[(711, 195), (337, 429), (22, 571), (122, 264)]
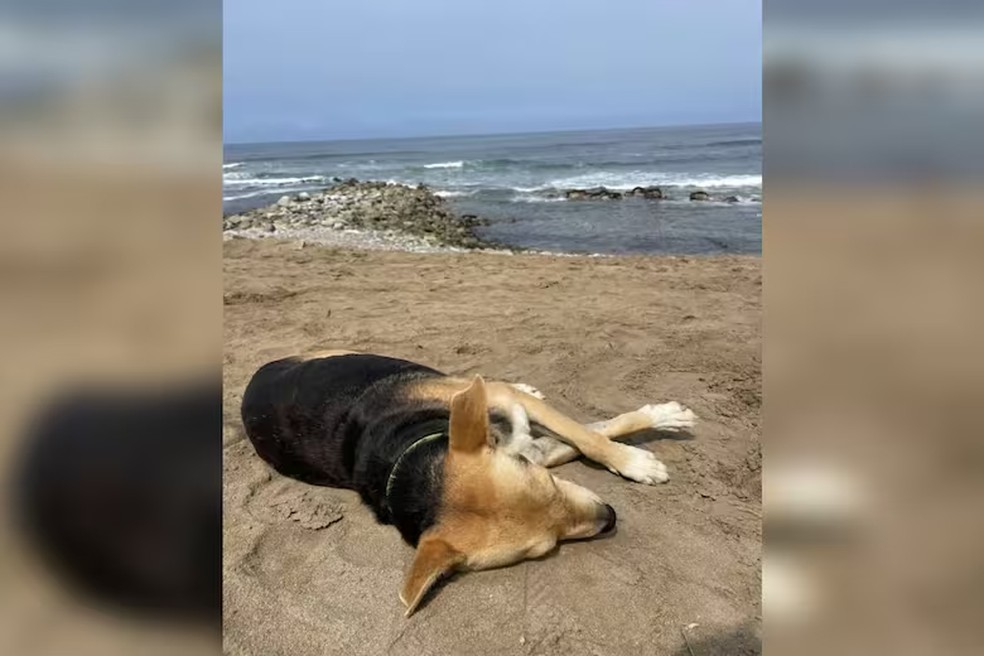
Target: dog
[(460, 467)]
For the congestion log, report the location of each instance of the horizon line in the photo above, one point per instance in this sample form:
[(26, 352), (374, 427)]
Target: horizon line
[(488, 134)]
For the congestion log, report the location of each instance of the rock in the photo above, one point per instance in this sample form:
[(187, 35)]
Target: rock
[(646, 192), (232, 222), (700, 195), (597, 193), (394, 208), (730, 199)]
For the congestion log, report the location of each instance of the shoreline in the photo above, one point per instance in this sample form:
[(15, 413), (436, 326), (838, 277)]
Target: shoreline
[(385, 216), (357, 241)]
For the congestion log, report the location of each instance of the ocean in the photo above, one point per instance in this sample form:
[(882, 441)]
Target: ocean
[(517, 182)]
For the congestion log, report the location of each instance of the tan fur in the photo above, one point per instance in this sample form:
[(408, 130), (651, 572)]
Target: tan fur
[(438, 389), (623, 425), (498, 508), (433, 559), (469, 421), (502, 396), (551, 452), (317, 355)]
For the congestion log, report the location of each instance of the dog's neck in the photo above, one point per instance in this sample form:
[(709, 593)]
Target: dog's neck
[(395, 469), (405, 477)]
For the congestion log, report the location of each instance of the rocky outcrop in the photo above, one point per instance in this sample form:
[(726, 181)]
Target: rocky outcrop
[(649, 193), (597, 193), (368, 206), (654, 193)]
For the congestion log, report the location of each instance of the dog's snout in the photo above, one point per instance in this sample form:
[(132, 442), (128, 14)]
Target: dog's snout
[(609, 518)]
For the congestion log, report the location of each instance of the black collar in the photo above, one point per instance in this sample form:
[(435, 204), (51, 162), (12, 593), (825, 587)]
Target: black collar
[(430, 437)]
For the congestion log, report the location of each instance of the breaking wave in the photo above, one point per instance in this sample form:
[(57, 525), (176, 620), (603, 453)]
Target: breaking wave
[(270, 182), (445, 165)]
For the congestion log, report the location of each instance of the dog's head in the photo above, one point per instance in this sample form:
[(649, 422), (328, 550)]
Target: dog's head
[(498, 508)]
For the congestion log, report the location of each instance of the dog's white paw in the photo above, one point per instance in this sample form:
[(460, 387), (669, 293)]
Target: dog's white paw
[(640, 466), (669, 416), (529, 389)]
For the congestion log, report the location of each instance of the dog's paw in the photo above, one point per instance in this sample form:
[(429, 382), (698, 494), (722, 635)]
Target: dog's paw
[(639, 465), (529, 389), (669, 416)]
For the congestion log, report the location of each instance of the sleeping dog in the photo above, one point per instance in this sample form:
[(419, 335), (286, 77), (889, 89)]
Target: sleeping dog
[(460, 467)]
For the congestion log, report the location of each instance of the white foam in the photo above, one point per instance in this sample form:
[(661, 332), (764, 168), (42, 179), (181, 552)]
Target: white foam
[(269, 182), (626, 181), (538, 199), (247, 195), (453, 194), (445, 165), (722, 181), (232, 165)]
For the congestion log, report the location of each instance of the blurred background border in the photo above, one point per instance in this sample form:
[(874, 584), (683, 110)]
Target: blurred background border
[(111, 322), (873, 232)]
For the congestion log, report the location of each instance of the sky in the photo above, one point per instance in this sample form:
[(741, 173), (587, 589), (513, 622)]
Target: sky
[(313, 69)]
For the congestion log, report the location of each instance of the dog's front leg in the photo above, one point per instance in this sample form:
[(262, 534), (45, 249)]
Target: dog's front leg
[(631, 462), (551, 452)]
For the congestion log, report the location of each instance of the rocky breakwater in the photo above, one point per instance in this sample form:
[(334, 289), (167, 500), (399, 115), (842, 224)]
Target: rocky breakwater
[(597, 193), (649, 193), (376, 208)]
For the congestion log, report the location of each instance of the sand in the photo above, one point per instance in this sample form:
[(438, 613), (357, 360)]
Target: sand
[(307, 570)]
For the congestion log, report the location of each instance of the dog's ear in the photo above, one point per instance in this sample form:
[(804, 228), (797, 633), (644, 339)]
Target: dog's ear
[(434, 558), (470, 418)]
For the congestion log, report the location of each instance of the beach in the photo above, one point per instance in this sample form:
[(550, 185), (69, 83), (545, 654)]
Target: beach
[(307, 570)]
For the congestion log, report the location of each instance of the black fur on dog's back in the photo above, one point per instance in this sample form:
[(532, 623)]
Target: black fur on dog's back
[(343, 421)]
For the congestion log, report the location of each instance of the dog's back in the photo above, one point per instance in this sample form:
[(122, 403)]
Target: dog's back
[(305, 417)]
